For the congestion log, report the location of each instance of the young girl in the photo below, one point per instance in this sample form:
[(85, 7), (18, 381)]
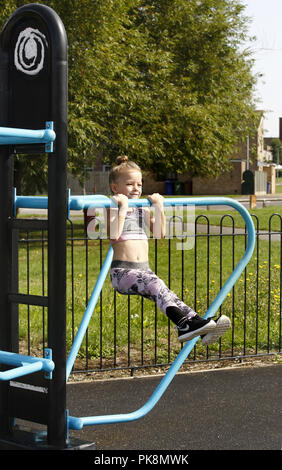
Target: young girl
[(130, 272)]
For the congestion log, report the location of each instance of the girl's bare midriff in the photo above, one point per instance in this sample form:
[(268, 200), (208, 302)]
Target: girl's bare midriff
[(131, 250)]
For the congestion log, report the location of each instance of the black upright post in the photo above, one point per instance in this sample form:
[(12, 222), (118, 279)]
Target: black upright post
[(33, 90), (6, 166), (57, 213)]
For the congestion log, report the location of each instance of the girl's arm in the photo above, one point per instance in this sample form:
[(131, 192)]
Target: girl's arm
[(156, 222), (116, 216)]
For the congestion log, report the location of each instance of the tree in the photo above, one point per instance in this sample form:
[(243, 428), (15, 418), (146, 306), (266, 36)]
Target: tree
[(168, 83), (207, 95), (276, 145)]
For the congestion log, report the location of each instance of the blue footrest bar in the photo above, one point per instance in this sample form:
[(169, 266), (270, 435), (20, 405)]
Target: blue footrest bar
[(24, 365)]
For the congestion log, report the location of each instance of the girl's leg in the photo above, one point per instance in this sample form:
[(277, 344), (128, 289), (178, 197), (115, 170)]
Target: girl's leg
[(149, 285)]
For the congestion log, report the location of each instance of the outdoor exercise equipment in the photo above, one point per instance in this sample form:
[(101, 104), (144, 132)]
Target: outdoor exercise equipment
[(33, 116)]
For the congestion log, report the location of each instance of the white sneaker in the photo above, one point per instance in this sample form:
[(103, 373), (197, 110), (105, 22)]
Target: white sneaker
[(222, 325)]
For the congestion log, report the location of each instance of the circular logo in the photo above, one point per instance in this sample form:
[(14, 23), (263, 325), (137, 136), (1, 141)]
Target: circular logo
[(30, 51)]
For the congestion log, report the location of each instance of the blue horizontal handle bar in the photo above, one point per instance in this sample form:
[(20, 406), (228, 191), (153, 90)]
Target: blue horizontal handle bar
[(31, 202), (99, 201), (14, 136), (23, 365), (78, 203), (80, 422), (75, 203)]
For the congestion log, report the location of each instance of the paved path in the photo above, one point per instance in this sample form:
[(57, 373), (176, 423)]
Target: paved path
[(226, 409)]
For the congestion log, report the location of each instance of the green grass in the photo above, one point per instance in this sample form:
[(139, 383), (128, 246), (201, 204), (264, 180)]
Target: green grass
[(264, 219)]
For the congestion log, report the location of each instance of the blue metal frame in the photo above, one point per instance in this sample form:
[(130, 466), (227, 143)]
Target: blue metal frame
[(83, 202), (13, 136)]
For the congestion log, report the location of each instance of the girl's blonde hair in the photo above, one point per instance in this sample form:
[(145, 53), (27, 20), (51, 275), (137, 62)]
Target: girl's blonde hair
[(122, 164)]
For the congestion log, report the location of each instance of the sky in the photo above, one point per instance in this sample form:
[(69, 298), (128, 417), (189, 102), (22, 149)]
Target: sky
[(266, 25)]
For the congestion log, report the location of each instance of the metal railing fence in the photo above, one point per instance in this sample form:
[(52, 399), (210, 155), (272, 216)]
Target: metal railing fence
[(129, 332)]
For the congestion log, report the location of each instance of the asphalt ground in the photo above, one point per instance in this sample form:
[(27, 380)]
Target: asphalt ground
[(221, 417), (225, 409)]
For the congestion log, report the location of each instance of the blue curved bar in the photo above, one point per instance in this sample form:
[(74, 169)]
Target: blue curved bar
[(80, 422), (14, 136)]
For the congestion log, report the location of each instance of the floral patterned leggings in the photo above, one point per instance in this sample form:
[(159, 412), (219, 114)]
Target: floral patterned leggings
[(140, 279)]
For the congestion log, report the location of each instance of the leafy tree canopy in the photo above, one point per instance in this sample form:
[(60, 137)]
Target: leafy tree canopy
[(168, 83), (276, 146)]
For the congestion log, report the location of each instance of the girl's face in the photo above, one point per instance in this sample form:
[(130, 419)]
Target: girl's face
[(129, 183)]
